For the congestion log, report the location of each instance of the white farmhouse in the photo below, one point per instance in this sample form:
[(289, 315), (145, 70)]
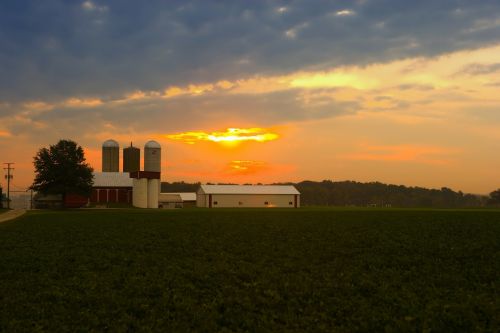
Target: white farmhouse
[(213, 196)]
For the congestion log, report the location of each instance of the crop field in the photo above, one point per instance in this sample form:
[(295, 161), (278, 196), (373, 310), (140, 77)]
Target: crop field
[(318, 270)]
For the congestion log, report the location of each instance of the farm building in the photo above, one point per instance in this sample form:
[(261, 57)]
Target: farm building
[(111, 187), (108, 187), (213, 196), (177, 200)]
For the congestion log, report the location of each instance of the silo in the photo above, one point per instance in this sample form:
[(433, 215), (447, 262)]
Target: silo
[(152, 156), (110, 156), (131, 159), (140, 194), (153, 192)]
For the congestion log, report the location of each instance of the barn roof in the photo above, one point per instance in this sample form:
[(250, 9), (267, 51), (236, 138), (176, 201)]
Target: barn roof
[(169, 197), (249, 189), (112, 179), (188, 196)]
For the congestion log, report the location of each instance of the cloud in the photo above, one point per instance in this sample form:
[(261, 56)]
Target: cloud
[(246, 167), (344, 12), (480, 69), (410, 90), (91, 6), (5, 134), (86, 102), (98, 51)]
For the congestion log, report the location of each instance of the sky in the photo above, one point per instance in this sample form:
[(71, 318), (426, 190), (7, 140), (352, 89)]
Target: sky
[(401, 92)]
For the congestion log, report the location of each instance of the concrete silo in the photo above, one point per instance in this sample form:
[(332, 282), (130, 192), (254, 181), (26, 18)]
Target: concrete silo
[(153, 192), (131, 159), (147, 183), (152, 163), (152, 156), (140, 194), (110, 156)]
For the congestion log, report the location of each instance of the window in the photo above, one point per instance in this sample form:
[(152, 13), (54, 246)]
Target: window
[(266, 203), (215, 202), (240, 203), (290, 203)]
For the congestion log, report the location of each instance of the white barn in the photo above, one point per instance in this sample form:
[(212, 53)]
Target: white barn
[(177, 200), (213, 196)]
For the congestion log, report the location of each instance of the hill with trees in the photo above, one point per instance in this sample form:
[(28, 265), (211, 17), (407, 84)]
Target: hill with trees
[(351, 193)]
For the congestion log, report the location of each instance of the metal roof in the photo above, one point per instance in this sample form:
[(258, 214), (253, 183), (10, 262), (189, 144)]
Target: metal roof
[(152, 144), (249, 189), (112, 179), (110, 143), (169, 197), (188, 196)]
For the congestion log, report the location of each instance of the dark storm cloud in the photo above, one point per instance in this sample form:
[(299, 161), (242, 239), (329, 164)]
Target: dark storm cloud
[(53, 49)]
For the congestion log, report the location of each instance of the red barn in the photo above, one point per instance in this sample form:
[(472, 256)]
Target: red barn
[(112, 187)]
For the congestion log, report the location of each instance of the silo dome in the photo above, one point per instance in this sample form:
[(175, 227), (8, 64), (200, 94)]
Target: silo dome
[(152, 144), (110, 143)]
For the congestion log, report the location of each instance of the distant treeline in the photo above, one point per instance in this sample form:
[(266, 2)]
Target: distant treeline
[(350, 193)]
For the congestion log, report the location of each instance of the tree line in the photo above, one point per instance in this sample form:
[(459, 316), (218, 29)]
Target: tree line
[(351, 193)]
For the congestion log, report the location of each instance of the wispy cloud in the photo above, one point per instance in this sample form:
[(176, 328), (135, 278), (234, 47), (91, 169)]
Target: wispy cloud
[(480, 69), (92, 6), (344, 12), (246, 167)]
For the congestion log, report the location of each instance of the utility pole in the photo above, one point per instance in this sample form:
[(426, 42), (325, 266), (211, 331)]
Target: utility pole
[(8, 176)]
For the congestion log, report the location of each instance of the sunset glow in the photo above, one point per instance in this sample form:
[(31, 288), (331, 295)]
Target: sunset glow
[(267, 92), (230, 136), (246, 167)]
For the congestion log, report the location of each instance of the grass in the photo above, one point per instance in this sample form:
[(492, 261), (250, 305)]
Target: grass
[(251, 270)]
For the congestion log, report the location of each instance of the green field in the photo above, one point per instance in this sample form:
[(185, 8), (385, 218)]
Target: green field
[(251, 270)]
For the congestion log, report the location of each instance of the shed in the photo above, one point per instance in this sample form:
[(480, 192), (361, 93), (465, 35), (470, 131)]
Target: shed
[(213, 196), (177, 200)]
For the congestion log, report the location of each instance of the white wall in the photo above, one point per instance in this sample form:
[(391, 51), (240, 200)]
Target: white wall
[(247, 200), (201, 199)]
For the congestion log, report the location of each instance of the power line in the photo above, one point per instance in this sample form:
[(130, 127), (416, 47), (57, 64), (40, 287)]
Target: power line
[(8, 176)]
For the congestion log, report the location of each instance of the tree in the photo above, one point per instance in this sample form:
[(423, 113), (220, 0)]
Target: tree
[(495, 197), (61, 169)]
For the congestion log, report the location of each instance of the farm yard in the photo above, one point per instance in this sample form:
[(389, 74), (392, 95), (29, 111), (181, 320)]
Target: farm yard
[(233, 270)]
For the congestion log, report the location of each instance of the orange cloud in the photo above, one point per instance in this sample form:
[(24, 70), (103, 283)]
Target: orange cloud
[(38, 106), (77, 102), (195, 89), (229, 136), (245, 167), (5, 134)]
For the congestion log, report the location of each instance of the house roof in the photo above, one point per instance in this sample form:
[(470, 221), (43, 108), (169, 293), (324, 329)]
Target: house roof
[(191, 196), (112, 179), (169, 197), (249, 189)]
